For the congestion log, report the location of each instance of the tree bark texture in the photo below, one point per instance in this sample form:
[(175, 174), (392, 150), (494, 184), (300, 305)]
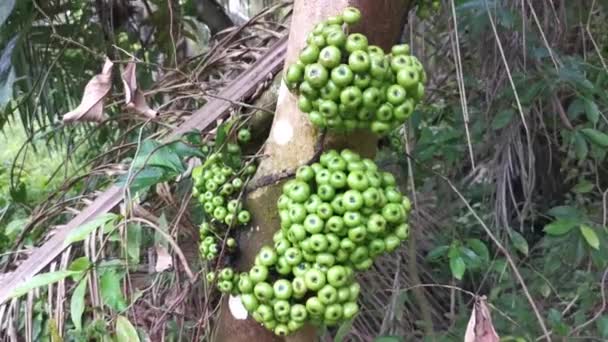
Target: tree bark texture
[(293, 141)]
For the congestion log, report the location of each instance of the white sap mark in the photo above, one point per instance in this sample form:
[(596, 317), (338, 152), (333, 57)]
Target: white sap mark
[(282, 132), (236, 307)]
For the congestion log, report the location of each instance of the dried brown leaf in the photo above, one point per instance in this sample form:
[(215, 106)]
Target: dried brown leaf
[(163, 259), (91, 106), (480, 327), (134, 97)]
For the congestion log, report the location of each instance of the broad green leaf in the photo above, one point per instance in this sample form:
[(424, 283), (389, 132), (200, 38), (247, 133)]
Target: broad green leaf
[(503, 118), (583, 187), (184, 150), (40, 280), (519, 242), (590, 236), (81, 232), (576, 108), (480, 248), (111, 291), (602, 326), (80, 264), (564, 212), (591, 110), (437, 252), (581, 150), (77, 304), (343, 330), (153, 153), (454, 250), (457, 266), (595, 137), (144, 178), (125, 331), (560, 227)]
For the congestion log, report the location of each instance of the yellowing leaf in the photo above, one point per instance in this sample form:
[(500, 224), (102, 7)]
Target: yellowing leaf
[(590, 236)]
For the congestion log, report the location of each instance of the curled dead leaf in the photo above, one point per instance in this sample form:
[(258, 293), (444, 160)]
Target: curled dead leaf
[(91, 106), (480, 327), (134, 97), (163, 259)]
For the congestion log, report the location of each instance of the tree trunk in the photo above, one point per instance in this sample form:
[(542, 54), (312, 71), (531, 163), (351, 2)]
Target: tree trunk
[(293, 141)]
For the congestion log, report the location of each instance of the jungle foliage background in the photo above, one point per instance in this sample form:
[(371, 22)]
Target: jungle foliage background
[(505, 161)]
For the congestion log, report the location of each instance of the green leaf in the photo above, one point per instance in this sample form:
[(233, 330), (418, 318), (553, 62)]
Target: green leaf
[(133, 242), (590, 236), (125, 331), (602, 326), (40, 280), (519, 242), (81, 232), (80, 264), (583, 187), (564, 212), (343, 330), (184, 150), (480, 248), (576, 108), (143, 179), (153, 153), (595, 137), (111, 291), (222, 134), (560, 227), (592, 111), (581, 150), (457, 266), (77, 304), (503, 118), (437, 252)]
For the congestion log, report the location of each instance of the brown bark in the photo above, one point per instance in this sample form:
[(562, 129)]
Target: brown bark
[(293, 141)]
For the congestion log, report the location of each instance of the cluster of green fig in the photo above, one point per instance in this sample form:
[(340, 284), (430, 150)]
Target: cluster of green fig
[(424, 8), (336, 217), (344, 83), (218, 187)]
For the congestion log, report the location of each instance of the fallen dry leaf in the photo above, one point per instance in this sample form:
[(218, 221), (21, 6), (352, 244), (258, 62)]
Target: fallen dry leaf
[(134, 97), (163, 259), (91, 106), (480, 328)]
